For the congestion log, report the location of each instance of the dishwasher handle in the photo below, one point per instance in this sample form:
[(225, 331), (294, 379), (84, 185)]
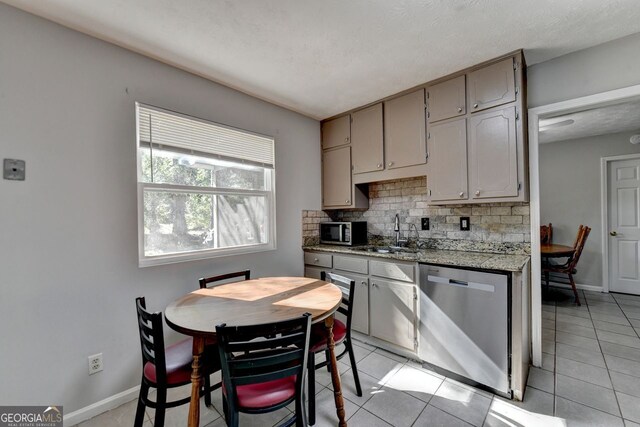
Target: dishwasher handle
[(461, 283)]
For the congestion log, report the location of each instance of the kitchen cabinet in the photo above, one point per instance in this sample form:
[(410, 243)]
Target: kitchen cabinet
[(360, 314), (446, 100), (447, 169), (367, 140), (336, 132), (405, 130), (336, 177), (393, 312), (493, 154), (492, 85)]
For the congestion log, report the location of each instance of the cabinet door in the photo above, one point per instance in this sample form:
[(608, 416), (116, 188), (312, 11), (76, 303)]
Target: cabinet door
[(491, 86), (447, 169), (367, 140), (336, 177), (404, 131), (492, 154), (336, 132), (360, 315), (393, 312), (446, 100)]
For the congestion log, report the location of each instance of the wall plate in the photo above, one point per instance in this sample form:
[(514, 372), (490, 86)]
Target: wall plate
[(14, 170), (465, 223), (424, 222)]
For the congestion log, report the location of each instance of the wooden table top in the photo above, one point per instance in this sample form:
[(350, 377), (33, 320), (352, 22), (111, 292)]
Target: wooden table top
[(556, 250), (249, 302)]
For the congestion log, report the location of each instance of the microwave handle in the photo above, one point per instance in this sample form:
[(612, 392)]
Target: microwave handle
[(342, 232)]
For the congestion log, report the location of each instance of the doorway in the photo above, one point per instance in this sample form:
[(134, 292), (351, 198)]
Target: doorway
[(537, 114), (621, 222)]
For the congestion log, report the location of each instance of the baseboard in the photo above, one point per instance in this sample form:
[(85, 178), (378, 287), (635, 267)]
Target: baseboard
[(98, 408)]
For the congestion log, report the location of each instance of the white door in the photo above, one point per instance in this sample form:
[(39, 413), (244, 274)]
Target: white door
[(624, 226)]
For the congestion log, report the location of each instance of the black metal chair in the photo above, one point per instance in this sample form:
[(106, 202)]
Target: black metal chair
[(223, 277), (165, 368), (341, 334), (264, 374)]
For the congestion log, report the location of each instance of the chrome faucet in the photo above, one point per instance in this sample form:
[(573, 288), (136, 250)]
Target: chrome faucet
[(396, 228)]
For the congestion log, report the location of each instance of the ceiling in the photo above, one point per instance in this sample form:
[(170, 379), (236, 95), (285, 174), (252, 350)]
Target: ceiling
[(324, 57), (622, 117)]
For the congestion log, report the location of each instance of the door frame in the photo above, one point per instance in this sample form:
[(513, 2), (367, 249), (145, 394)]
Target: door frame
[(535, 114), (604, 196)]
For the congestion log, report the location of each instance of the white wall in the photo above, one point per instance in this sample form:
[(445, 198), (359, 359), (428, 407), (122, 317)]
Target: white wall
[(68, 261), (570, 193), (612, 65)]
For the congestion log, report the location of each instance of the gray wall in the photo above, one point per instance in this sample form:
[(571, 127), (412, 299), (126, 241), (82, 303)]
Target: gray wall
[(570, 193), (612, 65), (68, 263)]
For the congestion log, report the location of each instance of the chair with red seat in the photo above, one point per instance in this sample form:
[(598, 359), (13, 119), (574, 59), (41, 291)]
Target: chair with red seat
[(341, 335), (264, 374), (164, 368)]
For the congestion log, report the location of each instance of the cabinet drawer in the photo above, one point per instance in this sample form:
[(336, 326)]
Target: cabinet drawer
[(356, 265), (391, 270), (319, 260)]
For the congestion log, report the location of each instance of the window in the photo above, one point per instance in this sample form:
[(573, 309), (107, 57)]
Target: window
[(204, 189)]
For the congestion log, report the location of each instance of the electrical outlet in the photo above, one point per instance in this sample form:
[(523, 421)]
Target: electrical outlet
[(465, 223), (95, 363), (425, 223)]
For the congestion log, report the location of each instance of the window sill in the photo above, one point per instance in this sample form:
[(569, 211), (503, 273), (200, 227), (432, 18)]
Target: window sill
[(201, 255)]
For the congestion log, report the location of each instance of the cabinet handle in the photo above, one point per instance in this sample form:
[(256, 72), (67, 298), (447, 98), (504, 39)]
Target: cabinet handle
[(346, 139), (390, 164), (374, 285), (379, 165), (461, 194), (475, 105), (363, 283), (477, 192), (316, 260), (459, 109), (347, 201)]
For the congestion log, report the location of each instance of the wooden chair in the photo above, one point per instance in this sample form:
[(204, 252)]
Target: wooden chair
[(264, 374), (164, 368), (341, 334), (206, 280), (555, 272), (546, 234)]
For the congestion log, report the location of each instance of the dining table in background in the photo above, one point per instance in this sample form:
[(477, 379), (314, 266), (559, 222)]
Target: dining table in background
[(249, 302), (553, 250)]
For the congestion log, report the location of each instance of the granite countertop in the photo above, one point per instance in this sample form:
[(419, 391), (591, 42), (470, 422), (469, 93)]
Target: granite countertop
[(488, 261)]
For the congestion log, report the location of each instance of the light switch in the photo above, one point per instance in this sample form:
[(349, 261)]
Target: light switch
[(14, 169)]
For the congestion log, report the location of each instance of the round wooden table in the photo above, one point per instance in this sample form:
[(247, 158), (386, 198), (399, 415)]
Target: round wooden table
[(556, 251), (256, 301)]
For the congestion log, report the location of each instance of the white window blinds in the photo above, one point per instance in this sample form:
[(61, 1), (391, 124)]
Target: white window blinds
[(158, 127)]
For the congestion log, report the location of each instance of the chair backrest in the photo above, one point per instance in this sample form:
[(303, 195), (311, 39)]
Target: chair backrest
[(206, 280), (259, 353), (348, 294), (151, 339), (581, 239), (546, 234)]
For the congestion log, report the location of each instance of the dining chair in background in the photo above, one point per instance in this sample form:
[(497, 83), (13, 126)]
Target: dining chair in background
[(341, 335), (546, 234), (264, 368), (163, 368), (205, 281), (556, 272)]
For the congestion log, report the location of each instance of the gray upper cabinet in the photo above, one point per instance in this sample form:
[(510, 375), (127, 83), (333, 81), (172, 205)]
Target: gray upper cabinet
[(491, 86), (493, 154), (446, 100), (367, 140), (447, 169), (405, 130), (336, 132), (336, 177)]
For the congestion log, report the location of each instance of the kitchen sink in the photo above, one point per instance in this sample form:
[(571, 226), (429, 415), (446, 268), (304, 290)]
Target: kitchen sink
[(387, 249)]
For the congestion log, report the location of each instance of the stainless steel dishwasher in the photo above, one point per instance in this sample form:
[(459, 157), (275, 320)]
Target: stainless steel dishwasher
[(464, 323)]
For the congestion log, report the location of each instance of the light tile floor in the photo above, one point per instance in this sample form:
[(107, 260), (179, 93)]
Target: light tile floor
[(590, 377)]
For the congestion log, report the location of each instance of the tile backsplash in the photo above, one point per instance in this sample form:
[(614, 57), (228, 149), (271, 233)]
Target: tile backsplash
[(494, 226)]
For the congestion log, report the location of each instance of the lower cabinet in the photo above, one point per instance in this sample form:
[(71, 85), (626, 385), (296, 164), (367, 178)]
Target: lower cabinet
[(393, 312), (360, 315)]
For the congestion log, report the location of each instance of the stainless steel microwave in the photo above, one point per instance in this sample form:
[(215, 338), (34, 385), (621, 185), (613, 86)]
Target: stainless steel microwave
[(343, 233)]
